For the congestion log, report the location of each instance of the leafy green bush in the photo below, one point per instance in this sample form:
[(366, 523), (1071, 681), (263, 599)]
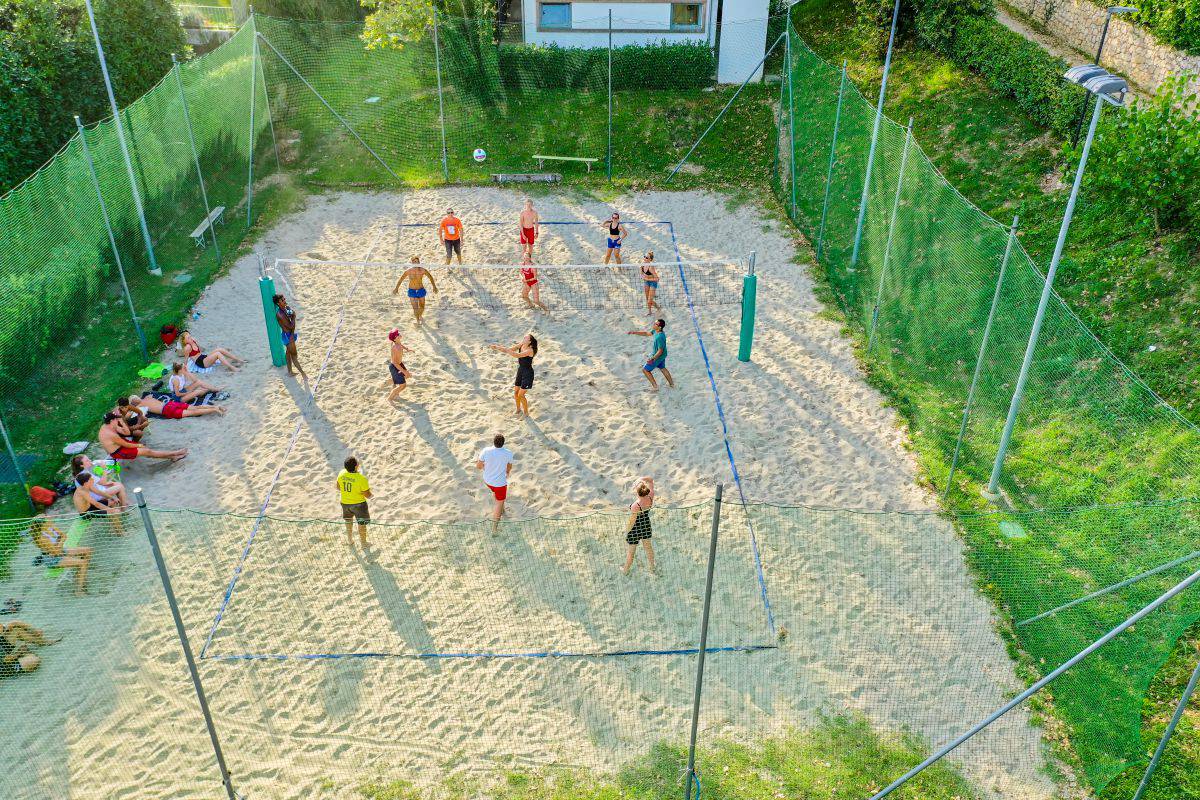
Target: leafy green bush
[(1173, 22), (1015, 66), (660, 66), (1148, 159)]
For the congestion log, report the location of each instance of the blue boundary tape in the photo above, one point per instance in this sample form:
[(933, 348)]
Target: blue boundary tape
[(737, 478), (237, 572), (683, 651), (262, 511)]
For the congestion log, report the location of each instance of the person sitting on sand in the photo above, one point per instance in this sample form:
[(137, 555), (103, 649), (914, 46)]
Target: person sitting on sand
[(638, 529), (200, 360), (104, 481), (51, 541), (529, 276), (133, 417), (173, 409), (650, 282), (127, 450), (184, 387), (90, 501), (416, 276), (16, 639), (399, 372)]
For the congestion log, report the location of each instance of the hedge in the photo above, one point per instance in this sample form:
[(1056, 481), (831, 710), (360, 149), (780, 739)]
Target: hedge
[(1173, 22), (1019, 68), (689, 65)]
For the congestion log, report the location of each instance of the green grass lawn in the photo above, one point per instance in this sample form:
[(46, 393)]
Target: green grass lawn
[(838, 758)]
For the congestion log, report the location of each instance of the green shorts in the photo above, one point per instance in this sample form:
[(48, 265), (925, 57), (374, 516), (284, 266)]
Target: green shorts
[(358, 511)]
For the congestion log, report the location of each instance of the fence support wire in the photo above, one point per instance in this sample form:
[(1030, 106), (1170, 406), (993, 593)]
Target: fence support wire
[(708, 585), (1169, 732), (1137, 617), (837, 121), (887, 248), (250, 137), (187, 120), (226, 780), (262, 76), (328, 107)]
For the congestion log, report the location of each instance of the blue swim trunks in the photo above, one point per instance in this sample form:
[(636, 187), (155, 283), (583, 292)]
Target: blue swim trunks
[(614, 244), (288, 338), (416, 294), (651, 284), (658, 363)]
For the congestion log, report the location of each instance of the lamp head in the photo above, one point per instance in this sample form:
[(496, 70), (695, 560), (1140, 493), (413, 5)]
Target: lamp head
[(1122, 9)]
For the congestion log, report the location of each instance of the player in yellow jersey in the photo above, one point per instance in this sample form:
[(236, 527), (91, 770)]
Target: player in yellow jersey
[(355, 492)]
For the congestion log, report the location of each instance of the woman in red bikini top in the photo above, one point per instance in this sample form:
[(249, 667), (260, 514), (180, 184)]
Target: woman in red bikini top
[(532, 293), (206, 361)]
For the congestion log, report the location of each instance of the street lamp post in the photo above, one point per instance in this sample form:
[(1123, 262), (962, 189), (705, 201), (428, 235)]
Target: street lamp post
[(1108, 89), (1087, 97)]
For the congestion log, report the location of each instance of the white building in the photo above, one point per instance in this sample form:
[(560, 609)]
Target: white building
[(584, 23)]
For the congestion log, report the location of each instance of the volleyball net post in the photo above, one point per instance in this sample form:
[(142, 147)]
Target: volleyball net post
[(749, 300), (266, 289)]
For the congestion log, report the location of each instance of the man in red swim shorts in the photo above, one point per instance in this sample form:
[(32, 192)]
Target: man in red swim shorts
[(118, 447), (496, 463), (529, 229), (173, 409)]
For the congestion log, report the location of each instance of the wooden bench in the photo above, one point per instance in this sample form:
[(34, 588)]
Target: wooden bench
[(526, 177), (587, 161), (217, 215)]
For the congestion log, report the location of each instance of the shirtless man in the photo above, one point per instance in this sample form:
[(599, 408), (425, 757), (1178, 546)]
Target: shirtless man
[(175, 410), (400, 373), (416, 276), (530, 228), (118, 447)]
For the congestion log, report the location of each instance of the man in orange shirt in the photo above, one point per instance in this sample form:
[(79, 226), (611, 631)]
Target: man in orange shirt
[(450, 232)]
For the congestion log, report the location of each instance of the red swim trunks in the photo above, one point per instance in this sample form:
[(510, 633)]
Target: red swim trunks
[(172, 409), (125, 453), (499, 492), (528, 235)]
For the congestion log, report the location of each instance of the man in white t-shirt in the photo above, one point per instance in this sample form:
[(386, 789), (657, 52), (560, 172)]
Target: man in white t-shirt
[(496, 463)]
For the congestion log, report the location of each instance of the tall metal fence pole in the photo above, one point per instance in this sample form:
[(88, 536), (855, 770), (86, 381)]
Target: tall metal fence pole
[(226, 780), (437, 65), (1170, 731), (187, 119), (262, 75), (987, 332), (116, 112), (837, 121), (250, 137), (12, 456), (993, 488), (1137, 617), (787, 57), (887, 248), (608, 151), (708, 585), (866, 192), (112, 240)]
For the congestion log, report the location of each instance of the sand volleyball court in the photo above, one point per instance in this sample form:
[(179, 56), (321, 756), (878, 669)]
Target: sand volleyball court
[(453, 654)]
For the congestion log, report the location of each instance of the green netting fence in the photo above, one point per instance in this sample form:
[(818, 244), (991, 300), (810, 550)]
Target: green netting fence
[(1089, 433), (453, 661)]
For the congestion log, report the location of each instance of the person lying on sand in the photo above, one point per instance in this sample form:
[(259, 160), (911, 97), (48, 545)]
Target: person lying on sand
[(185, 387), (104, 481), (203, 360), (125, 449), (638, 529), (51, 540), (173, 409), (416, 276), (16, 639)]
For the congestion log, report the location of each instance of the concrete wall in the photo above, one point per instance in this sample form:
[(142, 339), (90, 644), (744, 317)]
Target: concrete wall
[(1129, 50), (633, 23), (743, 39)]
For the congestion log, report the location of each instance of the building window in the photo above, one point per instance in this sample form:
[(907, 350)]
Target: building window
[(556, 15), (685, 16)]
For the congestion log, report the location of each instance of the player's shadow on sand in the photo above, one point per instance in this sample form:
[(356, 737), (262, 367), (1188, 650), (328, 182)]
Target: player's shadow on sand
[(572, 459), (404, 617), (423, 425), (322, 429)]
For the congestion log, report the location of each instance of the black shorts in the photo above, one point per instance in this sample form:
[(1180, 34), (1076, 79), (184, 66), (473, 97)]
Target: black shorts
[(358, 511), (453, 247), (524, 378), (397, 375)]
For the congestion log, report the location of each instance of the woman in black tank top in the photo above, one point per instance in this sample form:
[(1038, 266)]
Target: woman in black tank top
[(616, 234), (523, 351), (638, 528)]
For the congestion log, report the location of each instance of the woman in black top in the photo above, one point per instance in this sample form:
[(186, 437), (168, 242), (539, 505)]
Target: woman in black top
[(616, 235), (638, 528), (523, 351)]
